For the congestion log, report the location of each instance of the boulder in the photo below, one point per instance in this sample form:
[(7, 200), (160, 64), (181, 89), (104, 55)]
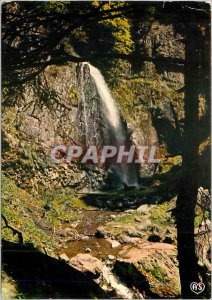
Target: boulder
[(125, 239), (144, 224), (87, 250), (129, 211), (144, 209), (113, 243), (111, 257), (64, 257), (113, 217), (151, 268), (86, 263), (134, 233), (100, 232)]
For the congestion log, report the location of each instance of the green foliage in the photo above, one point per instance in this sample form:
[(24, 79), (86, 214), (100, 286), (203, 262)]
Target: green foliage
[(74, 96), (59, 203), (21, 210), (55, 6), (156, 271), (201, 216), (79, 203), (159, 214), (120, 30), (32, 217), (9, 288), (168, 164), (110, 35)]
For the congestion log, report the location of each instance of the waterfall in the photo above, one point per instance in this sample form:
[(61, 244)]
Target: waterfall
[(126, 172), (112, 113)]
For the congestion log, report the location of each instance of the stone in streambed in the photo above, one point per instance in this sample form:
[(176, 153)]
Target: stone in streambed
[(111, 257), (87, 263), (64, 257), (151, 268), (113, 243), (134, 234), (88, 250), (100, 232), (124, 239)]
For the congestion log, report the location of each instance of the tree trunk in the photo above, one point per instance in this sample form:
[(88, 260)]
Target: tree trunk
[(187, 197)]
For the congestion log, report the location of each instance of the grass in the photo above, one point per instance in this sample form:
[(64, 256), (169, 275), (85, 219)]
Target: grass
[(128, 218), (159, 273), (166, 165), (9, 288), (29, 215), (20, 210), (79, 203), (124, 222), (159, 214)]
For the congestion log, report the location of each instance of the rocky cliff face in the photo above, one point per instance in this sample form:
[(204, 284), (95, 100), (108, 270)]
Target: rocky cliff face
[(91, 120), (49, 111), (44, 116), (151, 95)]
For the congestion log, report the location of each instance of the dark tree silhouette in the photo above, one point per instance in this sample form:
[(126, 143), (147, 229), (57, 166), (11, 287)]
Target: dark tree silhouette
[(33, 35)]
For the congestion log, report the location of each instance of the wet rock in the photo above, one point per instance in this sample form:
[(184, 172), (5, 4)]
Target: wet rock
[(109, 203), (64, 257), (88, 250), (119, 204), (86, 263), (114, 243), (100, 232), (151, 268), (111, 257), (85, 237)]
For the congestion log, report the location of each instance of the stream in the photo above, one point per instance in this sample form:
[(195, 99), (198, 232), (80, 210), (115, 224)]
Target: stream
[(101, 249)]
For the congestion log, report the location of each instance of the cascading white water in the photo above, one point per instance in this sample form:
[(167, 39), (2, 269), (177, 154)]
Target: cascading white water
[(105, 94), (112, 115), (86, 127)]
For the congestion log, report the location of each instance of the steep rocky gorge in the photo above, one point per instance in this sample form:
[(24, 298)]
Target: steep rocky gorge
[(49, 111), (124, 240)]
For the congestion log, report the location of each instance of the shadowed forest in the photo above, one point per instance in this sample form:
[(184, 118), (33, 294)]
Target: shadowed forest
[(99, 73)]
